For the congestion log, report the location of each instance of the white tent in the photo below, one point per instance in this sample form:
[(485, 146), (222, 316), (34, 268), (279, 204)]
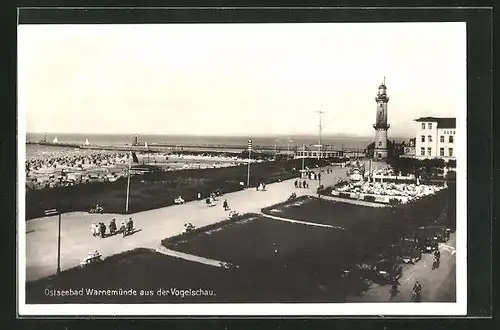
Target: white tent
[(55, 140)]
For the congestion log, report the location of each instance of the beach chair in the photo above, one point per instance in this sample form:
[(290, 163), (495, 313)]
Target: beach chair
[(91, 258)]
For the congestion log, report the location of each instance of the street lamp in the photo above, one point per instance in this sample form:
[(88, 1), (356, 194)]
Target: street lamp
[(320, 126), (54, 212)]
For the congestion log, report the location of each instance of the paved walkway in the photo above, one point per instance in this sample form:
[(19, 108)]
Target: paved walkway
[(153, 225), (190, 257), (302, 222), (354, 201)]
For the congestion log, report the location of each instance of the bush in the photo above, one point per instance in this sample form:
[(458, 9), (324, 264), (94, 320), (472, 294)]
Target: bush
[(325, 191), (341, 184), (369, 198), (345, 195), (394, 201), (451, 176)]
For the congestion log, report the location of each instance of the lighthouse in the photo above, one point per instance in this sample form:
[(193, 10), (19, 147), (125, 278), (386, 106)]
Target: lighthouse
[(381, 126)]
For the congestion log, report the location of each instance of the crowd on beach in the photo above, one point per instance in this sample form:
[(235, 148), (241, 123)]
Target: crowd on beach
[(76, 161), (70, 166)]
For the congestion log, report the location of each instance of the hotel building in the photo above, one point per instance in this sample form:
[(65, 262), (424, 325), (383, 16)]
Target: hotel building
[(435, 138)]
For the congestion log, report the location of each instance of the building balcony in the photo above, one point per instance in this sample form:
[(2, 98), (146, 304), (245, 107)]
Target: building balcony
[(383, 98), (381, 126)]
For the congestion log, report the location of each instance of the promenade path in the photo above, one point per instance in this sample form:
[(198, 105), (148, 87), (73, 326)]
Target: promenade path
[(152, 225), (302, 222), (354, 201), (191, 257)]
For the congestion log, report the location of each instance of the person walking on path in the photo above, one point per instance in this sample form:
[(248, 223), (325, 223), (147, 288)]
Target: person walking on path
[(93, 228), (225, 205), (296, 183)]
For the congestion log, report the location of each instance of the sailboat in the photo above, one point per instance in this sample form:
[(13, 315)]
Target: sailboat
[(87, 143), (55, 140)]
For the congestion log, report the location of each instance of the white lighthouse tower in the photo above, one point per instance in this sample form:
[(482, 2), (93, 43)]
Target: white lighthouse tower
[(381, 126)]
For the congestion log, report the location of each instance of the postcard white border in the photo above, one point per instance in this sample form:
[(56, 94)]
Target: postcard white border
[(288, 309)]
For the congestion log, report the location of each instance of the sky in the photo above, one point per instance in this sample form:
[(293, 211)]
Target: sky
[(238, 79)]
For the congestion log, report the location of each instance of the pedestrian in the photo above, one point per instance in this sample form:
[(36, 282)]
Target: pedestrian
[(263, 186), (319, 176), (130, 225), (296, 183), (112, 226), (199, 196), (226, 207), (102, 229), (300, 184)]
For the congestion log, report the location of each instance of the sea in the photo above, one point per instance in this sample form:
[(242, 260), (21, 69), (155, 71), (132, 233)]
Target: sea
[(278, 142)]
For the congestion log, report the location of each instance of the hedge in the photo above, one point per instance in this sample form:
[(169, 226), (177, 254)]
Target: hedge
[(369, 198)]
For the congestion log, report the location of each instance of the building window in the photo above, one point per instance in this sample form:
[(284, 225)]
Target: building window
[(450, 152), (429, 138), (422, 138), (423, 125), (441, 139), (429, 125), (429, 151), (422, 151), (441, 152), (450, 139)]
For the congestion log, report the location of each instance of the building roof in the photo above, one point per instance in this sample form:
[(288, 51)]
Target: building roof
[(442, 122)]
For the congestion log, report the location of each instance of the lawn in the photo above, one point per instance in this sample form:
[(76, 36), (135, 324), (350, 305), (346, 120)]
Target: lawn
[(305, 261)]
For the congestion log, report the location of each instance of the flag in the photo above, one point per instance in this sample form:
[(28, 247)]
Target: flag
[(134, 157)]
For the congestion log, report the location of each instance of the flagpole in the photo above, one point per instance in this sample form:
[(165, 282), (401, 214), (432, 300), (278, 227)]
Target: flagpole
[(249, 158), (288, 148), (128, 183)]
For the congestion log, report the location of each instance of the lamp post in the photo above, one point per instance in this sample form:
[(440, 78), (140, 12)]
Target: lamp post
[(54, 212), (128, 183), (320, 126), (249, 158)]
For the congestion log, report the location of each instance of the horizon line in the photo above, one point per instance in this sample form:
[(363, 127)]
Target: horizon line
[(221, 135)]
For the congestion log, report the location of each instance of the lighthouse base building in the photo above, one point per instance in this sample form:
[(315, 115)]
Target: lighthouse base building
[(380, 150)]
